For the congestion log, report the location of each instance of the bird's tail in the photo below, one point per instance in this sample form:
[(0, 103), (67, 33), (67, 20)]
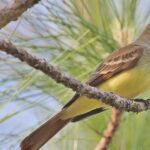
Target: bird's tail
[(45, 132)]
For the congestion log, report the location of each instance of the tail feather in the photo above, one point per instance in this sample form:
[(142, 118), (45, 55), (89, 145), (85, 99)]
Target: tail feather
[(45, 132)]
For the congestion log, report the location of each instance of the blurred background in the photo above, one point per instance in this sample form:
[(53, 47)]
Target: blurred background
[(75, 36)]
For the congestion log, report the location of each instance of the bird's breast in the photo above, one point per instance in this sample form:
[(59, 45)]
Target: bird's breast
[(129, 83)]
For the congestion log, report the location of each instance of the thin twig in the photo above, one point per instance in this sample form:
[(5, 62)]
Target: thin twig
[(106, 97), (110, 130), (14, 10)]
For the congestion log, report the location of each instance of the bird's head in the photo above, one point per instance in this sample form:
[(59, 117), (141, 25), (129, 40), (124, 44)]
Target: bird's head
[(144, 38)]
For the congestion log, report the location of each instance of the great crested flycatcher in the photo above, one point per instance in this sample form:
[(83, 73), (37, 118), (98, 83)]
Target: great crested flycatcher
[(125, 72)]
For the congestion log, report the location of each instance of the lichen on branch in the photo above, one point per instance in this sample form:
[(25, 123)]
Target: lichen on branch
[(108, 98), (12, 11)]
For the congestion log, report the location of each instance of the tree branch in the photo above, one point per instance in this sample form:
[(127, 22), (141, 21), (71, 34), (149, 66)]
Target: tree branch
[(110, 130), (106, 97), (14, 10)]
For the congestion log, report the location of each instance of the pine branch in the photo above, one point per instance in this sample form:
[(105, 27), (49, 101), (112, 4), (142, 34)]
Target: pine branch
[(110, 130), (14, 10), (108, 98)]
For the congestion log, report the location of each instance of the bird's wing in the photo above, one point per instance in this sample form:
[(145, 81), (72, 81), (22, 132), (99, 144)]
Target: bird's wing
[(123, 59)]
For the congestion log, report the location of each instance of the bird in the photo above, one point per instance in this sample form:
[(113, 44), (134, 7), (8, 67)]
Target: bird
[(125, 72)]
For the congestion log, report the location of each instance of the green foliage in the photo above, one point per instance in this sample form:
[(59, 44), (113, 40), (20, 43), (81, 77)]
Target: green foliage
[(75, 36)]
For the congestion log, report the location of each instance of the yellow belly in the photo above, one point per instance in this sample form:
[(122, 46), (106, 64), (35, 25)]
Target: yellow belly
[(128, 84)]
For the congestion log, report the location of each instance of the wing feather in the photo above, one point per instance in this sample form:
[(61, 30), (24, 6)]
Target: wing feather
[(121, 60)]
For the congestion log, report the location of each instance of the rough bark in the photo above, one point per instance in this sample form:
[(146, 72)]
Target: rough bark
[(106, 97), (14, 10)]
